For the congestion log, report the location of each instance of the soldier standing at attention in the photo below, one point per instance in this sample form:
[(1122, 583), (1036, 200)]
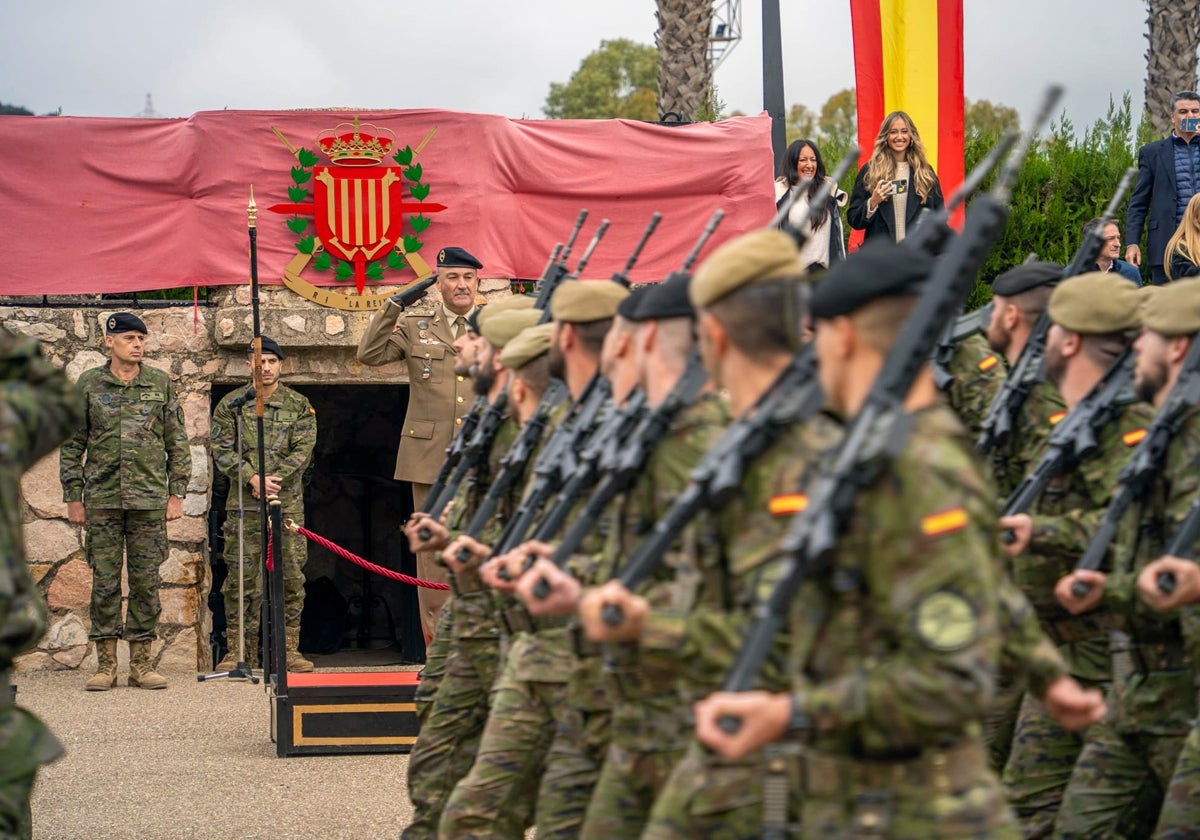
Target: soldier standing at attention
[(895, 648), (133, 482), (38, 408), (438, 398), (289, 435)]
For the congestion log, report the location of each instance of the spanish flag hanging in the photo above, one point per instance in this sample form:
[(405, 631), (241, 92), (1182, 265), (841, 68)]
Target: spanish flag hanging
[(908, 56)]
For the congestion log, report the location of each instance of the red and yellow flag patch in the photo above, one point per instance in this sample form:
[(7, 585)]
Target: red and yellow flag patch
[(1133, 438), (989, 363), (944, 522), (787, 504), (1056, 417)]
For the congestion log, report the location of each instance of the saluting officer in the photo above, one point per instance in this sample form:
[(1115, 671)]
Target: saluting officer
[(438, 398)]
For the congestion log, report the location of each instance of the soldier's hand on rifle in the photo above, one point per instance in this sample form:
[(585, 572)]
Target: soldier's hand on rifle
[(1187, 583), (1072, 706), (478, 553), (174, 508), (547, 589), (75, 514), (1075, 604), (490, 572), (634, 609), (1021, 526), (764, 717), (414, 292), (438, 538)]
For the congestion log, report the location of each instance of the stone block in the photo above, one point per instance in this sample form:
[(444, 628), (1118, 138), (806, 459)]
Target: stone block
[(296, 323), (71, 588), (41, 489), (86, 360), (180, 605), (195, 504), (51, 540), (196, 417), (179, 654), (37, 571), (70, 657), (182, 567), (36, 661), (188, 529), (79, 325), (68, 632), (41, 330), (198, 480)]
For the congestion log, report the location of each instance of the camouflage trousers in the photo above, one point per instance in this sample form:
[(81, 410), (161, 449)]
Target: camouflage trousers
[(450, 733), (573, 765), (1000, 722), (509, 761), (437, 653), (708, 796), (1180, 817), (115, 538), (25, 745), (1039, 767), (1117, 787), (295, 556), (630, 782)]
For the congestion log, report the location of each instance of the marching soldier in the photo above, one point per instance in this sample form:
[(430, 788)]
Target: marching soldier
[(132, 483), (289, 435), (438, 398), (977, 375)]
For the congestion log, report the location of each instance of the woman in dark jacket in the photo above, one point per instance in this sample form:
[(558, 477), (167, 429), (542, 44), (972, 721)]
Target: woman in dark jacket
[(895, 184), (1183, 250)]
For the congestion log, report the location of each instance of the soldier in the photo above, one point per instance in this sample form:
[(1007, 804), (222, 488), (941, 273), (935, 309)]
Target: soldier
[(1153, 700), (437, 397), (977, 375), (896, 646), (289, 435), (38, 408), (137, 471), (1093, 321)]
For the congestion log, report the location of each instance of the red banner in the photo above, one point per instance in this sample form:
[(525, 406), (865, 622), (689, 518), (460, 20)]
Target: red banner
[(122, 205)]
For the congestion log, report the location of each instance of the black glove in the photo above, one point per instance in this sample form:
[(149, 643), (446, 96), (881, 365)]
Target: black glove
[(414, 292)]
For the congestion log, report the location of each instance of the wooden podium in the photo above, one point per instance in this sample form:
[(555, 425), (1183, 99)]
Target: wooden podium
[(338, 713)]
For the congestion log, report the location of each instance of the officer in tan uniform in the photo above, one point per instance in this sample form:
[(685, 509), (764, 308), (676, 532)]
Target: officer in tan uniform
[(438, 398)]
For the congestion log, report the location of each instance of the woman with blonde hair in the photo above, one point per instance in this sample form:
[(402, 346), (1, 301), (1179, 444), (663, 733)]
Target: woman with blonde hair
[(1183, 248), (895, 184)]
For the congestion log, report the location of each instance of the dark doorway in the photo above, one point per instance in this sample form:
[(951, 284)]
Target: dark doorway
[(352, 501)]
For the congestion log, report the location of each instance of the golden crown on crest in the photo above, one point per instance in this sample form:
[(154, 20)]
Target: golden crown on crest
[(354, 144)]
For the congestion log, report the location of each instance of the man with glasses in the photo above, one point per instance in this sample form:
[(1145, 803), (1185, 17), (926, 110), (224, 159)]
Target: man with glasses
[(1168, 176), (1110, 253)]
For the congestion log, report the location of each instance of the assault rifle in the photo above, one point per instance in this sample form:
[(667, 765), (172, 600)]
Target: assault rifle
[(1182, 545), (1149, 458), (1073, 440), (622, 276), (587, 254), (1027, 372), (818, 202), (556, 269), (877, 432)]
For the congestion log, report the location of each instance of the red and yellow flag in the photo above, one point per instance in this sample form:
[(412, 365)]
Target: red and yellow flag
[(908, 56)]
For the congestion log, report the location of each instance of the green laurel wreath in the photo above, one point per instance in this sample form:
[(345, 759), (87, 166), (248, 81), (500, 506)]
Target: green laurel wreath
[(298, 193)]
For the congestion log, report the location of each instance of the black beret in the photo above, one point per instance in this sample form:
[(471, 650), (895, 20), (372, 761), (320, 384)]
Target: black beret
[(628, 308), (457, 257), (668, 299), (269, 345), (124, 322), (880, 268), (1027, 276)]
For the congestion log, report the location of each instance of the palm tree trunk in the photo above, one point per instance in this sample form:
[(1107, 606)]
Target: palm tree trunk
[(1173, 29), (684, 71)]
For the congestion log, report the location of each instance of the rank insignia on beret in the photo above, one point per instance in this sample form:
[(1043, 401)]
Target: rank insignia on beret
[(1056, 417), (945, 621), (112, 323), (1133, 438), (989, 363), (787, 503), (944, 522), (442, 255)]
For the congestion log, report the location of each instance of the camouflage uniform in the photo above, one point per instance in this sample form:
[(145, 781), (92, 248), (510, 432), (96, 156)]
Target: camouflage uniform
[(897, 652), (706, 795), (1181, 806), (1064, 517), (978, 375), (38, 408), (137, 456), (289, 435), (649, 722), (1133, 751)]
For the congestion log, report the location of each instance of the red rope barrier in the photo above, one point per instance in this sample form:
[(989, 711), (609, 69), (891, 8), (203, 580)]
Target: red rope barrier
[(366, 564), (270, 550)]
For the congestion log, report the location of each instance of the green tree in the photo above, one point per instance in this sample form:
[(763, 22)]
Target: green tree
[(14, 110), (801, 123), (983, 117), (618, 80), (839, 119)]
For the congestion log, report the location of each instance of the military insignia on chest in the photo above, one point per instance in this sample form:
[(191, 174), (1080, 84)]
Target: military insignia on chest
[(945, 621)]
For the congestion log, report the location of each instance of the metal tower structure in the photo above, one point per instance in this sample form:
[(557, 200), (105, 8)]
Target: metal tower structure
[(727, 31)]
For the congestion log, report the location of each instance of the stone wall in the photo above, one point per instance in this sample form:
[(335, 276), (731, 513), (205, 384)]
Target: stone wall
[(199, 348)]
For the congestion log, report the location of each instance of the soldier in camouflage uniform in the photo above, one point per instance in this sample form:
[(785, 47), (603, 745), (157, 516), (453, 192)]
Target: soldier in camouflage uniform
[(38, 408), (1094, 317), (133, 482), (895, 649), (1153, 700), (747, 295), (289, 435), (977, 373)]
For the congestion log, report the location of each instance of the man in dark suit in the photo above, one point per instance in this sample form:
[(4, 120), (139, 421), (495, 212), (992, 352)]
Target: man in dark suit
[(1168, 176)]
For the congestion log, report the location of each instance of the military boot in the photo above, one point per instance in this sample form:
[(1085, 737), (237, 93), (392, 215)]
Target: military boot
[(106, 666), (295, 659), (231, 655), (141, 672)]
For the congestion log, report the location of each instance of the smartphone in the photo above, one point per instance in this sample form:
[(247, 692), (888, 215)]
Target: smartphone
[(1190, 125), (900, 185)]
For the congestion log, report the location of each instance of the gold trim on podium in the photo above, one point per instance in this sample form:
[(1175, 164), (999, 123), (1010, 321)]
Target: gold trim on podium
[(299, 711)]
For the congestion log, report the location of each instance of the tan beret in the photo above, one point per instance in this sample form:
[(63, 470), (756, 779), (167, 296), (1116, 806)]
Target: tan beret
[(504, 304), (503, 327), (1096, 303), (1173, 309), (584, 301), (755, 257), (528, 345)]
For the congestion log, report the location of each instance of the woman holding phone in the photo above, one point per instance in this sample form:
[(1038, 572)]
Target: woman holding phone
[(895, 184)]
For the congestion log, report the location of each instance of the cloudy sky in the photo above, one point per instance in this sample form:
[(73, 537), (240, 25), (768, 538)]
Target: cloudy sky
[(101, 58)]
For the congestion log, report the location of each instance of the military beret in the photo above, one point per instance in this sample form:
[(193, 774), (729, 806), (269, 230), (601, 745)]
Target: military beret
[(584, 301), (528, 345), (1095, 303), (628, 307), (505, 304), (755, 257), (1026, 276), (503, 327), (668, 299), (1173, 309), (880, 268), (457, 257), (124, 322), (269, 345)]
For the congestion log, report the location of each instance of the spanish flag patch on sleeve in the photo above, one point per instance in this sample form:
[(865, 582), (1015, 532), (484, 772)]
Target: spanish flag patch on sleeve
[(989, 363), (944, 522), (786, 504), (1056, 417), (1133, 438)]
